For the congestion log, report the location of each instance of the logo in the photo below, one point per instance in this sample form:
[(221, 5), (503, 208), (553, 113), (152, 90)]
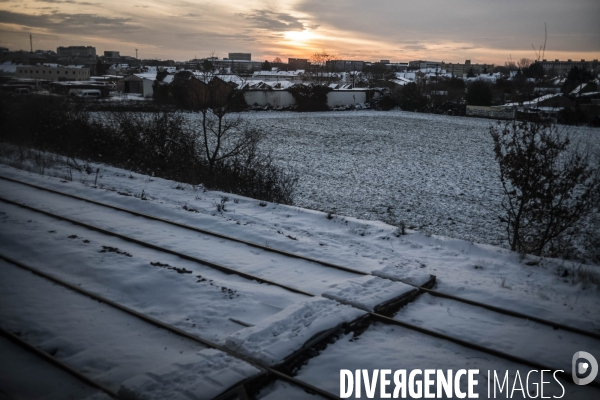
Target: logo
[(580, 367)]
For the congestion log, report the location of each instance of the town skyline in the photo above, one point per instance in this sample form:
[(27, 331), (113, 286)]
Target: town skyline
[(493, 32)]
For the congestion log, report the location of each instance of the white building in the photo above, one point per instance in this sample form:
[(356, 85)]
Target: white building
[(53, 72)]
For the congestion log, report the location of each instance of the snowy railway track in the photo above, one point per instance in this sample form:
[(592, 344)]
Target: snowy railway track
[(424, 288), (57, 363), (272, 372), (370, 319), (198, 260)]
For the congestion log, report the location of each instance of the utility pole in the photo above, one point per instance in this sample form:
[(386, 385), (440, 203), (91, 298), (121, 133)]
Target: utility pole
[(136, 54), (30, 43)]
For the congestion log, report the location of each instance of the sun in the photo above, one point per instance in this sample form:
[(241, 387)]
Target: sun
[(299, 38)]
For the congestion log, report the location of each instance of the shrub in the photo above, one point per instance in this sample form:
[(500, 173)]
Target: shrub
[(159, 143), (479, 93), (548, 186), (412, 98), (385, 101), (310, 97)]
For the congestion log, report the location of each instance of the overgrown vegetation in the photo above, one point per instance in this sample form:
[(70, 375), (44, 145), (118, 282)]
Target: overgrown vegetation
[(549, 186), (385, 101), (310, 97), (479, 93), (160, 143)]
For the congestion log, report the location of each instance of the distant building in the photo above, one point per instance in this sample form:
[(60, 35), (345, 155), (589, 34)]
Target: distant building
[(278, 75), (496, 112), (112, 54), (240, 56), (344, 65), (77, 51), (50, 53), (138, 83), (8, 69), (558, 67), (397, 67), (238, 66), (461, 69), (295, 64), (53, 72), (24, 57), (420, 64)]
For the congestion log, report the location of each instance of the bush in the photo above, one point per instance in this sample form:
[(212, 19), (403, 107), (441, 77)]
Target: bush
[(479, 94), (385, 101), (412, 98), (548, 186), (160, 143), (310, 97)]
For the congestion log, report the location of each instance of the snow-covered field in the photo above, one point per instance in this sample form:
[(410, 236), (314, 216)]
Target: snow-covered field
[(434, 172), (264, 322)]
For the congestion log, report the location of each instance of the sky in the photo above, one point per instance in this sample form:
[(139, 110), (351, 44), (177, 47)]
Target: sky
[(483, 31)]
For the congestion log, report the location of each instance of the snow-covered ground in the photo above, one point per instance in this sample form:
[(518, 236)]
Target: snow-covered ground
[(433, 172), (393, 348), (264, 322)]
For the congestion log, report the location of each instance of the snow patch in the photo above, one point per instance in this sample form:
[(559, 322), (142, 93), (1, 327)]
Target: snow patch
[(279, 336), (395, 273), (203, 375), (367, 292)]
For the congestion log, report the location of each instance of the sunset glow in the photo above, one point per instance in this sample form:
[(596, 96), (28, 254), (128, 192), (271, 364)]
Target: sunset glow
[(386, 29)]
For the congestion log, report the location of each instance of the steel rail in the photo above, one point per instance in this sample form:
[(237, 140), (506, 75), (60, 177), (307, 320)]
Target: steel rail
[(374, 316), (500, 310), (158, 248), (497, 353), (251, 277), (190, 227), (57, 363), (168, 327), (511, 313)]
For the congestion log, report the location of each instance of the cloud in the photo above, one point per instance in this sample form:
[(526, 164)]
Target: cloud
[(272, 21), (68, 23), (415, 47), (81, 3), (480, 30), (500, 24)]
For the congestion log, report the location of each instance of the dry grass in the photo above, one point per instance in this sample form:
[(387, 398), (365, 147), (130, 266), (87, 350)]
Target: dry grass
[(588, 276)]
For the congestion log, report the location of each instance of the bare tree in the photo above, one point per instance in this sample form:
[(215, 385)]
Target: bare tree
[(222, 136), (322, 66), (548, 186), (524, 63), (510, 64)]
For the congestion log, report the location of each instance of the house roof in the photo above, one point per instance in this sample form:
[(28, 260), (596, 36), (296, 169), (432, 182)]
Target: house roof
[(578, 88), (147, 75), (552, 101), (278, 73), (534, 102), (401, 81)]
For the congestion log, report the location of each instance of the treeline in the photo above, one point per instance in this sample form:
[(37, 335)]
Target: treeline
[(451, 95), (160, 142)]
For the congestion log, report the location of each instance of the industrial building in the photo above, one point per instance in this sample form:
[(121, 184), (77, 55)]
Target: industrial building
[(53, 72)]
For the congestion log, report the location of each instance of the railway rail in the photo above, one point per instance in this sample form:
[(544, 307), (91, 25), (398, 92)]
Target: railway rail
[(424, 288), (57, 363), (370, 318), (273, 372)]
